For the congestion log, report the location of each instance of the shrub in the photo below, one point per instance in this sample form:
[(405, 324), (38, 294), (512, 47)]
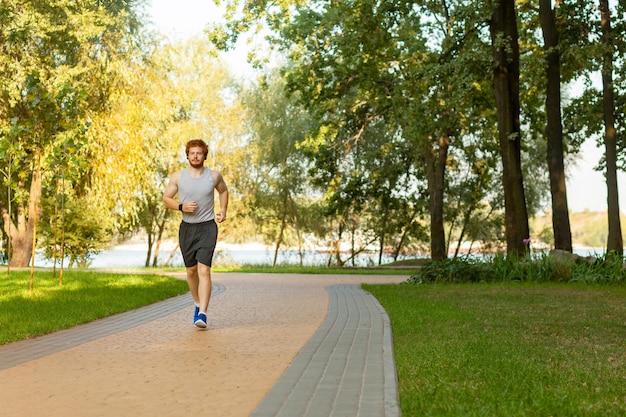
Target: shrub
[(532, 268)]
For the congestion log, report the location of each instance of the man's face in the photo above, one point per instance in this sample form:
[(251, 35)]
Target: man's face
[(195, 157)]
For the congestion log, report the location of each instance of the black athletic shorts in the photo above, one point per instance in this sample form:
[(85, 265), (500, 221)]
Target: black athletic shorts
[(197, 242)]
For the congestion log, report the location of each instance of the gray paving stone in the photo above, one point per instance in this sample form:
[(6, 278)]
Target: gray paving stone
[(346, 369)]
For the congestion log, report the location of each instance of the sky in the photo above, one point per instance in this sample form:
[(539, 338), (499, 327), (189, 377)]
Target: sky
[(586, 189), (182, 18)]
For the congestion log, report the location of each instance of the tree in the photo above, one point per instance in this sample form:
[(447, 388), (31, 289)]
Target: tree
[(176, 92), (474, 199), (87, 231), (276, 182), (598, 111), (418, 68), (504, 39), (55, 68), (554, 127), (615, 240), (360, 65)]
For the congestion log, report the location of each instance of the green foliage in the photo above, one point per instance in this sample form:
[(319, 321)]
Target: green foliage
[(385, 82), (278, 193), (83, 297), (375, 86), (541, 268), (608, 269), (86, 231), (58, 64)]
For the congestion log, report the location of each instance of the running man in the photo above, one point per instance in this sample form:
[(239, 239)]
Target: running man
[(196, 186)]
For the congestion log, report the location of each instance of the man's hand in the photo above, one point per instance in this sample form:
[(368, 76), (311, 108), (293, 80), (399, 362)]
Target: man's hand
[(190, 207), (220, 216)]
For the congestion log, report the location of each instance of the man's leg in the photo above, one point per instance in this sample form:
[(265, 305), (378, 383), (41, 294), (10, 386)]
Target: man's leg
[(193, 281), (204, 255), (204, 286)]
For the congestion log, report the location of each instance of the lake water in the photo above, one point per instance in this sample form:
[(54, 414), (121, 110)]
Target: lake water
[(134, 256)]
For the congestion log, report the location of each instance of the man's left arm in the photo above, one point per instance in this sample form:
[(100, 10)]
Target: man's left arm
[(222, 189)]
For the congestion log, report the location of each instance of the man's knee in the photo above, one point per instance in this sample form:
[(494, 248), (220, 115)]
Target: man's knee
[(204, 270)]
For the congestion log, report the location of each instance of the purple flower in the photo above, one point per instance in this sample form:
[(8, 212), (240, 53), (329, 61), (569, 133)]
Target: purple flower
[(526, 241)]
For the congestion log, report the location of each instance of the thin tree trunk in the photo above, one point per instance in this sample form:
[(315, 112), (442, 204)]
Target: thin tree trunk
[(62, 228), (159, 240), (337, 242), (56, 234), (614, 243), (32, 256), (436, 168), (294, 213), (8, 222), (300, 247), (398, 247), (155, 256), (466, 218), (33, 216), (554, 128), (281, 233), (172, 253), (505, 45), (149, 250)]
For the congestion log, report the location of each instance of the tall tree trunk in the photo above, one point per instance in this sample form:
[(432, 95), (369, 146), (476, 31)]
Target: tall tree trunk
[(554, 128), (436, 159), (22, 233), (614, 243), (506, 86)]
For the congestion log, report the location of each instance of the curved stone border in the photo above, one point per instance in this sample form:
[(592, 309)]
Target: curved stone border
[(346, 369)]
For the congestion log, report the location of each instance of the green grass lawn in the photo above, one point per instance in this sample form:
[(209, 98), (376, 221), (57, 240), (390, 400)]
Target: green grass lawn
[(83, 297), (508, 349)]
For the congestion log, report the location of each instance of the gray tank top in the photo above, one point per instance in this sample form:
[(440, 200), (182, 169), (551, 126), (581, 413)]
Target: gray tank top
[(201, 190)]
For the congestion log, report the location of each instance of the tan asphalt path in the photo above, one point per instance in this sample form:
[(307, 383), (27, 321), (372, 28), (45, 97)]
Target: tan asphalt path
[(154, 362)]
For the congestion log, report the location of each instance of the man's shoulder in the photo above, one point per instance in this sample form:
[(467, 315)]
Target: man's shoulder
[(176, 174)]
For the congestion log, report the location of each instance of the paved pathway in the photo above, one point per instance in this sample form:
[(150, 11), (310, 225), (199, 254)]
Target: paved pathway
[(276, 345)]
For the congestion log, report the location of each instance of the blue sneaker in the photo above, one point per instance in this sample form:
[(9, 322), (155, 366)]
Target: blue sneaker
[(195, 314), (201, 320)]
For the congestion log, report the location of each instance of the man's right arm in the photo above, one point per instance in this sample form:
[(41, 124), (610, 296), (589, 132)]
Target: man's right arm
[(170, 191)]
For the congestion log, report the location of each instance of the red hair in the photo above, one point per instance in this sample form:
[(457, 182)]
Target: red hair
[(197, 143)]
